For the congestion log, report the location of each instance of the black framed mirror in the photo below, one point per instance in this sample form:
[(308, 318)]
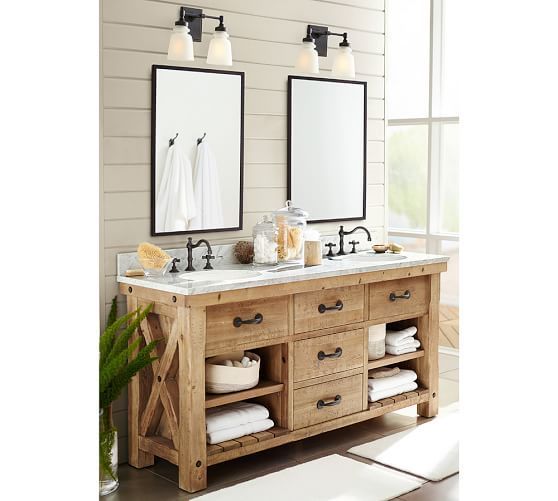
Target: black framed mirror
[(326, 141), (197, 150)]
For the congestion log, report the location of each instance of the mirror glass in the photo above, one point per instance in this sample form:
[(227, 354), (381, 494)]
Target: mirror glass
[(327, 148), (196, 150)]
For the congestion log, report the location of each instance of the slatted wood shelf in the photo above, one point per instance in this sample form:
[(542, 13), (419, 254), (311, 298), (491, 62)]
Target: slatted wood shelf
[(263, 388), (244, 443), (394, 359), (403, 400)]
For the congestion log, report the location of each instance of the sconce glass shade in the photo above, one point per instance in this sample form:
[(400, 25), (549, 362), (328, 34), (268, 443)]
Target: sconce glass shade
[(220, 51), (307, 61), (181, 45), (344, 63)]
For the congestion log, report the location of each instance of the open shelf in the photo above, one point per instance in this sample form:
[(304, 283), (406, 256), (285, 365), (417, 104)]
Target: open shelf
[(399, 401), (264, 387), (394, 359), (243, 445)]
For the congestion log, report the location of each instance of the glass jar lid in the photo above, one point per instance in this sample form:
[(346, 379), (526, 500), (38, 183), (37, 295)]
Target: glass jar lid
[(266, 224), (290, 211)]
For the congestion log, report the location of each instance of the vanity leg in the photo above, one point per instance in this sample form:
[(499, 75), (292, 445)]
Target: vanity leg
[(428, 334), (138, 393), (192, 455)]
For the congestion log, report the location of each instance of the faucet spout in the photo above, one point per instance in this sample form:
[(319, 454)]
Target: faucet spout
[(342, 234), (190, 246)]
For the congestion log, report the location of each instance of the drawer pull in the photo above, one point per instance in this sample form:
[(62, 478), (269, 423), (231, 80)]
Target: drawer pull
[(258, 319), (406, 295), (338, 306), (337, 354), (320, 404)]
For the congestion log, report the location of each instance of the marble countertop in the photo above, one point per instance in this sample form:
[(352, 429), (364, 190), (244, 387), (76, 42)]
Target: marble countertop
[(176, 283)]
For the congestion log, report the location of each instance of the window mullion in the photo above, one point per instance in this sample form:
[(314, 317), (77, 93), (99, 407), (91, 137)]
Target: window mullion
[(429, 165)]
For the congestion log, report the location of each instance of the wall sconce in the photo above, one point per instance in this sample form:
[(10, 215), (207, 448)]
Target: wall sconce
[(314, 44), (188, 29)]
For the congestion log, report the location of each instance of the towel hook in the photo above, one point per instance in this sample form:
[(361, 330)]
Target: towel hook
[(200, 139), (171, 141)]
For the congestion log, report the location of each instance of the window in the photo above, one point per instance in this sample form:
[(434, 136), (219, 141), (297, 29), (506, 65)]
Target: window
[(423, 131)]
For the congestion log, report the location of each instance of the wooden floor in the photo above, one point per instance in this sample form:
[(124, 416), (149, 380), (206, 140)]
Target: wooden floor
[(449, 326)]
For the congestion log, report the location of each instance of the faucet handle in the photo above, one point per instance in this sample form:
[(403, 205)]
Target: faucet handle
[(174, 269), (354, 243), (330, 245), (208, 258)]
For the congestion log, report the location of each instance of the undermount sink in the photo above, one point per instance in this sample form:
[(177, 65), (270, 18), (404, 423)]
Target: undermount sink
[(371, 257), (219, 275)]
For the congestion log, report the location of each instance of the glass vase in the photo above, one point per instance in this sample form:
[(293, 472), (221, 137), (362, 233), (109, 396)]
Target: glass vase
[(108, 453)]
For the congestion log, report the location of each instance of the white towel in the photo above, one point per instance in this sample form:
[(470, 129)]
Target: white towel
[(239, 431), (207, 190), (373, 395), (235, 414), (406, 343), (396, 337), (396, 350), (384, 383), (175, 205)]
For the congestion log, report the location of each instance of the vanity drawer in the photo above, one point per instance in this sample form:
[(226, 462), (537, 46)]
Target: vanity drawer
[(327, 401), (245, 323), (394, 298), (328, 308), (324, 355)]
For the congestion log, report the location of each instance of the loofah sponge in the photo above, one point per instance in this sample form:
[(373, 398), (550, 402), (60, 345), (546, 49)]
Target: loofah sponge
[(152, 257), (244, 252)]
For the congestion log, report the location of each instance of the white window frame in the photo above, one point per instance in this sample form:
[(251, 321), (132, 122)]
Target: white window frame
[(432, 236)]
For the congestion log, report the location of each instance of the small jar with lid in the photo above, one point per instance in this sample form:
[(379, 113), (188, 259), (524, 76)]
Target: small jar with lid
[(265, 242), (291, 223)]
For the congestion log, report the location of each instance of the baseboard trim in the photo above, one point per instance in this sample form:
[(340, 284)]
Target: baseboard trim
[(454, 352)]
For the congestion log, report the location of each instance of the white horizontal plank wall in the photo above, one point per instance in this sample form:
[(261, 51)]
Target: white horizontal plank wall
[(265, 36)]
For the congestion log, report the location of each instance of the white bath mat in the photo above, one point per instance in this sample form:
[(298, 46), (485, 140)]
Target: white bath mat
[(430, 450), (331, 478)]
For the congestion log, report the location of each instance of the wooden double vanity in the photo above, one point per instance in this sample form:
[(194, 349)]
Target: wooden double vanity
[(313, 344)]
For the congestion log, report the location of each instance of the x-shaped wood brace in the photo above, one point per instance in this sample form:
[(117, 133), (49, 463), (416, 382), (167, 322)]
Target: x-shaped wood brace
[(164, 392)]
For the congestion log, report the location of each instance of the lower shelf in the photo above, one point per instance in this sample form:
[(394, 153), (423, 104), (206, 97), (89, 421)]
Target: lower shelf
[(387, 404), (275, 436)]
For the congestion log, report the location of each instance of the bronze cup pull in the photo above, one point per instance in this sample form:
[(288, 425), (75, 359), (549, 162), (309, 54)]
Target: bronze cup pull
[(258, 319), (336, 354), (406, 295), (322, 308), (320, 404)]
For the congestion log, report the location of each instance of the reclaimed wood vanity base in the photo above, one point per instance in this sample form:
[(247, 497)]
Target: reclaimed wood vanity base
[(313, 344)]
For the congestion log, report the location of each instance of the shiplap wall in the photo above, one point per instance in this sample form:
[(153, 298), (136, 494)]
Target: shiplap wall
[(265, 36)]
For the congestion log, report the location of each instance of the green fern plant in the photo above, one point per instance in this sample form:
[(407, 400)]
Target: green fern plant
[(117, 366)]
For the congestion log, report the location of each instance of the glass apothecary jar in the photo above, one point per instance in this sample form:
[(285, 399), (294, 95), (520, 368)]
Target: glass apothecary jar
[(265, 242), (291, 223)]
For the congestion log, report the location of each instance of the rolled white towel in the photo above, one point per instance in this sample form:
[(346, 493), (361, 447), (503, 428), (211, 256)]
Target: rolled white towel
[(410, 341), (238, 431), (402, 377), (374, 395), (235, 414), (396, 337), (396, 350)]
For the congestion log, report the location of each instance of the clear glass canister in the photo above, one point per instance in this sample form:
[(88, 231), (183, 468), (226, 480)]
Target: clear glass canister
[(291, 223), (265, 242)]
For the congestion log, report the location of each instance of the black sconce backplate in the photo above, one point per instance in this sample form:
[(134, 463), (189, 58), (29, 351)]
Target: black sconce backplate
[(195, 24), (321, 39)]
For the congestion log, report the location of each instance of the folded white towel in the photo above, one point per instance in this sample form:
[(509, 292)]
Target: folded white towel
[(238, 431), (374, 395), (395, 337), (410, 341), (396, 350), (402, 377), (235, 414)]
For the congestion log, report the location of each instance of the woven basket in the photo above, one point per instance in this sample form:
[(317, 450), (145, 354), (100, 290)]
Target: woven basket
[(223, 379)]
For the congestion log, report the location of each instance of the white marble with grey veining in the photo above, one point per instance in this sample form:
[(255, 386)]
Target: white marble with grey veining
[(176, 284)]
